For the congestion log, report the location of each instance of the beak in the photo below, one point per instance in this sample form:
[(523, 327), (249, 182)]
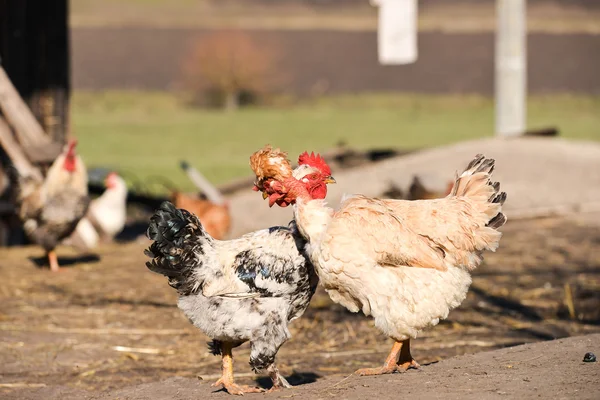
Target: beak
[(265, 195), (329, 179)]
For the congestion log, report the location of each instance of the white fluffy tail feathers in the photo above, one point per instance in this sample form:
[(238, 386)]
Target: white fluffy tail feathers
[(476, 184)]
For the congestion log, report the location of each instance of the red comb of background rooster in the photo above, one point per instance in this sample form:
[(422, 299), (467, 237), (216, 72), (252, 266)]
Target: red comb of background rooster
[(316, 161), (71, 145)]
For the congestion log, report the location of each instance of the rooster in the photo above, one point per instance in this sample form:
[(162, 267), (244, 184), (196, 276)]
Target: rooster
[(406, 263), (245, 289), (105, 217), (50, 209)]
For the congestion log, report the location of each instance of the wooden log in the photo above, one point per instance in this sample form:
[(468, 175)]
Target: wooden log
[(28, 130), (15, 153)]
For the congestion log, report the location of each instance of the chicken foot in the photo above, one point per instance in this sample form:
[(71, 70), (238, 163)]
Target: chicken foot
[(279, 382), (389, 366), (267, 341), (399, 360), (53, 261), (226, 379), (406, 361)]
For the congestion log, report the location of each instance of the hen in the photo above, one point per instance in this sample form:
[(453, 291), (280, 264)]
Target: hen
[(105, 217), (213, 211), (245, 289), (406, 263), (50, 209), (215, 217)]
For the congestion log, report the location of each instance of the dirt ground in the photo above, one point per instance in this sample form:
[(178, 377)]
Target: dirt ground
[(105, 323), (540, 370)]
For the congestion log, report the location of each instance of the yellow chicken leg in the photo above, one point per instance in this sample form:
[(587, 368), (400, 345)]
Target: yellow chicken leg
[(389, 366), (398, 360), (53, 260), (226, 379), (406, 361)]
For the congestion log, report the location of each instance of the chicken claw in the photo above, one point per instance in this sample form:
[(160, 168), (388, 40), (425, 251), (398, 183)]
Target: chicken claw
[(406, 361), (234, 388), (399, 360), (226, 380), (386, 369), (279, 382), (409, 364)]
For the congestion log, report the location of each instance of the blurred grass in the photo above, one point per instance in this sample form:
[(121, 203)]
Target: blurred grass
[(146, 134)]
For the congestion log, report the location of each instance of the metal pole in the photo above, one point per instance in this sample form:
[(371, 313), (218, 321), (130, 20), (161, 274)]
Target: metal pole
[(511, 67)]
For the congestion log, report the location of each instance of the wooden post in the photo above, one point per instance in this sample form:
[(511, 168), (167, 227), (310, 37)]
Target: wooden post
[(397, 31), (15, 110), (14, 152), (511, 68)]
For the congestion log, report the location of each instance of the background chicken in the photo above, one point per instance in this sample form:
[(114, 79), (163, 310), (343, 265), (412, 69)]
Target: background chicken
[(106, 215), (406, 263), (246, 289), (213, 211), (417, 190), (215, 217), (50, 209)]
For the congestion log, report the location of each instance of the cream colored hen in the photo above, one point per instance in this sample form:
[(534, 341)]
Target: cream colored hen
[(405, 263)]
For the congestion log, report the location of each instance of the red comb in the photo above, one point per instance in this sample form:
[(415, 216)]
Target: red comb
[(314, 160), (72, 144)]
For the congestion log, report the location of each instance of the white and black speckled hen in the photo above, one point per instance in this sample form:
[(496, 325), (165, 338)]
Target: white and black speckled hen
[(245, 289)]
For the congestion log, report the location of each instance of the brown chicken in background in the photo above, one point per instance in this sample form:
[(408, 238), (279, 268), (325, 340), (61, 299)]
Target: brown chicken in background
[(214, 217), (50, 209), (418, 191), (213, 211)]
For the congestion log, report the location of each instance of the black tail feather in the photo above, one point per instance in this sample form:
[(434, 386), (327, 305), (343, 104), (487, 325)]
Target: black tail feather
[(478, 158), (499, 198), (497, 221), (487, 165), (178, 239)]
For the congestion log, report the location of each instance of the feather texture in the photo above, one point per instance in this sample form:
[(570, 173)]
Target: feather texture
[(50, 209), (406, 263), (236, 290), (269, 163)]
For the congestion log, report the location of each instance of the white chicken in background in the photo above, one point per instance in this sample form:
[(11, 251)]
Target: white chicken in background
[(106, 215)]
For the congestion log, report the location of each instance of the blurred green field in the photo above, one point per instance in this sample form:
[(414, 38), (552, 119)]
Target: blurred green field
[(145, 135)]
